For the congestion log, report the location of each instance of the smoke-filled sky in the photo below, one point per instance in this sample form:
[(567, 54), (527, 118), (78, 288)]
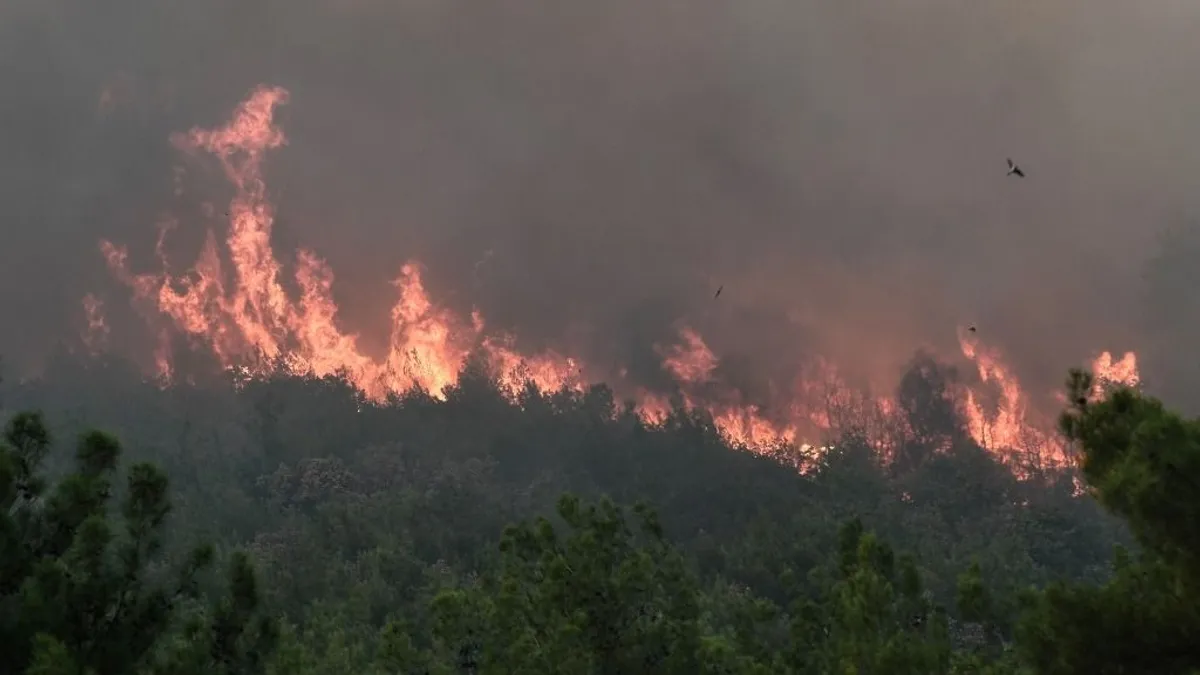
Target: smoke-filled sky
[(837, 166)]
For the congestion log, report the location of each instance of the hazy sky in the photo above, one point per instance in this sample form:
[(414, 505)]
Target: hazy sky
[(837, 165)]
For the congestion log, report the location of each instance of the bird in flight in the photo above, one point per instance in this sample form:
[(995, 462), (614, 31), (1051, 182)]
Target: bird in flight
[(718, 293), (1014, 169)]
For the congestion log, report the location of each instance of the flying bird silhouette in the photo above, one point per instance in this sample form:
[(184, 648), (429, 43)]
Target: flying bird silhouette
[(718, 293), (1014, 169)]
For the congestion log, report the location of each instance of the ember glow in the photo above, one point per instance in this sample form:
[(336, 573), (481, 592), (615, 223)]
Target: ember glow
[(1012, 423), (233, 302), (95, 334)]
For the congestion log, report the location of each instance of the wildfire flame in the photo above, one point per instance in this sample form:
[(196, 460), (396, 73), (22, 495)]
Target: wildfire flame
[(95, 335), (240, 311), (1012, 425), (691, 362)]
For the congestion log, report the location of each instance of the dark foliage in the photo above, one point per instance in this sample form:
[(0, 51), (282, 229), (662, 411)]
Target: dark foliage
[(384, 535)]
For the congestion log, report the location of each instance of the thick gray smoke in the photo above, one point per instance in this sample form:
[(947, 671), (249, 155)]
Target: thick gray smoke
[(837, 166)]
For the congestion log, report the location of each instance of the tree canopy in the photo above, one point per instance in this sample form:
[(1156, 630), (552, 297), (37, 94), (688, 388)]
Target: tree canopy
[(80, 591), (558, 533)]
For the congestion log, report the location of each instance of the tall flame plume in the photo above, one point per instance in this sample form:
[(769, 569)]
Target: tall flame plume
[(236, 306)]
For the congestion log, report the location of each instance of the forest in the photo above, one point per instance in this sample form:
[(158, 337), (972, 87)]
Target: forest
[(286, 525)]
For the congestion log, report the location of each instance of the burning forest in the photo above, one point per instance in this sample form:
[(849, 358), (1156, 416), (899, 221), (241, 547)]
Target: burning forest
[(256, 314), (352, 336)]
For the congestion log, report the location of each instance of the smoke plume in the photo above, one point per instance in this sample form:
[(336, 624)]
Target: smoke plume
[(587, 174)]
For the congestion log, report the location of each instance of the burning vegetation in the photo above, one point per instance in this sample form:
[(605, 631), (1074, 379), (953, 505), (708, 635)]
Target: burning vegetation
[(234, 302)]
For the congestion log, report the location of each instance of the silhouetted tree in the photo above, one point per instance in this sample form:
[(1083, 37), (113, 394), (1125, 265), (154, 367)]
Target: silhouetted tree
[(1143, 463), (934, 424)]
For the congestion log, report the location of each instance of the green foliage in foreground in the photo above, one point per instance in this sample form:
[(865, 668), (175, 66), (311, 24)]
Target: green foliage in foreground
[(1142, 462), (84, 590), (381, 533)]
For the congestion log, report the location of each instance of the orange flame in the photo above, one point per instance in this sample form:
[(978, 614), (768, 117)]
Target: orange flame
[(241, 312), (692, 362), (1109, 371), (253, 322), (1012, 425), (1005, 427)]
